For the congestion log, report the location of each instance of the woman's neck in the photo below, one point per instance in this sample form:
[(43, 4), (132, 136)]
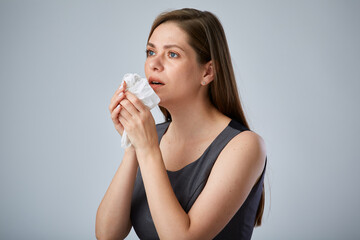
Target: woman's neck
[(195, 120)]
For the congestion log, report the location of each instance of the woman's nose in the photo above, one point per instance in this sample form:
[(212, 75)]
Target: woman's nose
[(155, 63)]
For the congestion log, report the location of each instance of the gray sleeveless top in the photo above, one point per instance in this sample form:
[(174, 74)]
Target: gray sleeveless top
[(188, 183)]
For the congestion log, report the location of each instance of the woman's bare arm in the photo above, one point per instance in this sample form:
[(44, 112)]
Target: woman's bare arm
[(113, 215)]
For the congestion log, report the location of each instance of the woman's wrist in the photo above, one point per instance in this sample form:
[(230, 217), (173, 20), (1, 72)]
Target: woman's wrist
[(147, 153), (130, 149), (131, 156)]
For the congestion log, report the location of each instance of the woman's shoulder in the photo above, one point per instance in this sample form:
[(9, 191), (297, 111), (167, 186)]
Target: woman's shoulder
[(250, 140), (245, 150), (247, 137)]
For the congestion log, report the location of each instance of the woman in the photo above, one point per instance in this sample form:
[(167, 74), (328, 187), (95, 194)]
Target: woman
[(200, 174)]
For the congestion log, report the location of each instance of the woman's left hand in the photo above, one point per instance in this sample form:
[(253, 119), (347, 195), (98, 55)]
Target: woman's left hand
[(138, 123)]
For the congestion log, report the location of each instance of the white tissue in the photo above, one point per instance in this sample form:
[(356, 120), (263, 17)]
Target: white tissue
[(140, 88)]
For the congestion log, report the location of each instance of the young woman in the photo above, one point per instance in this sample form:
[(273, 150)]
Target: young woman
[(200, 174)]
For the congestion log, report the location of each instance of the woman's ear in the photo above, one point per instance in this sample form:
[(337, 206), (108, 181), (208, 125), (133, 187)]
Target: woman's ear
[(209, 73)]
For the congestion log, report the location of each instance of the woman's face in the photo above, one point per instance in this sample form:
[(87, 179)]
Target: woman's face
[(172, 62)]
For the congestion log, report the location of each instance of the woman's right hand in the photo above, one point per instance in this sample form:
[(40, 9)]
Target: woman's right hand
[(115, 107)]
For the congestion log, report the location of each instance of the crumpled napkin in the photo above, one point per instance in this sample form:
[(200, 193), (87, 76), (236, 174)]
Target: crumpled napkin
[(141, 88)]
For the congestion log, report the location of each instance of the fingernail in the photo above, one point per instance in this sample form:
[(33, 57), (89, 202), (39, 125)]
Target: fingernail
[(118, 106), (121, 94)]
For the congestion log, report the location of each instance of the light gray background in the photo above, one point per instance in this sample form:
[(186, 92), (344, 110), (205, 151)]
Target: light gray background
[(297, 67)]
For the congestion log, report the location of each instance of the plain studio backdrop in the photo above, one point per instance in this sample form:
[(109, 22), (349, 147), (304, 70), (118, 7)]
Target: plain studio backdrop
[(297, 65)]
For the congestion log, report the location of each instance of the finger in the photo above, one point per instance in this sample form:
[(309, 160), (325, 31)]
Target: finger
[(115, 115), (115, 118), (122, 85), (122, 88), (125, 114), (136, 102), (126, 104), (123, 121), (116, 101)]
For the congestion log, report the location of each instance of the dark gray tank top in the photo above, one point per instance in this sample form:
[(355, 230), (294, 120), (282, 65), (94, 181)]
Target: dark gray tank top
[(188, 183)]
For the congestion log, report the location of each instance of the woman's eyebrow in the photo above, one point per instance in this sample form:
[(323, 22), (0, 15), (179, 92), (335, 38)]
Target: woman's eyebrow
[(166, 46)]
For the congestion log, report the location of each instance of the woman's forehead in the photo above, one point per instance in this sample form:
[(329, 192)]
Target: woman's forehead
[(169, 33)]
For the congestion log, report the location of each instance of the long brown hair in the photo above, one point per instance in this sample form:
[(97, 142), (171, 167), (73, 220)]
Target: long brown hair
[(207, 37)]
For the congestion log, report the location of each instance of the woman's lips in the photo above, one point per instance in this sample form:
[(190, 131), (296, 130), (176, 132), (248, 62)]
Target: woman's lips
[(155, 86), (155, 83)]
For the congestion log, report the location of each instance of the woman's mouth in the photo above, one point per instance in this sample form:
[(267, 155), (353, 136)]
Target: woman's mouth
[(155, 83)]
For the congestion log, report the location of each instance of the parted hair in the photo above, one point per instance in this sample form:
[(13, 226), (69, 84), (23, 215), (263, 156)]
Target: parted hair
[(207, 37)]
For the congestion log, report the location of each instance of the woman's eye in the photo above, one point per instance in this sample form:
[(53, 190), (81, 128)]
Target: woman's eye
[(150, 53), (173, 55)]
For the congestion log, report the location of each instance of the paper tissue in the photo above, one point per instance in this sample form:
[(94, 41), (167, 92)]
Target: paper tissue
[(141, 89)]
